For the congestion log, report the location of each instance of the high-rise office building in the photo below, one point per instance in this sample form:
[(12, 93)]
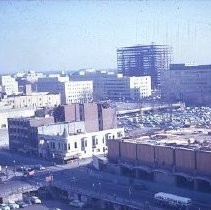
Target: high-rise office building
[(144, 60)]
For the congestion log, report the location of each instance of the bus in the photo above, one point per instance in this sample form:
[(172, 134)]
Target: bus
[(172, 200)]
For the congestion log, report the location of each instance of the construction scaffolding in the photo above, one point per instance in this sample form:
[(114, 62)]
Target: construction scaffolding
[(144, 60)]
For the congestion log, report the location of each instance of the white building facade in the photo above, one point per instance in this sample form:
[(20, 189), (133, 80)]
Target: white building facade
[(9, 85), (112, 86), (35, 100), (71, 91), (67, 146), (77, 92)]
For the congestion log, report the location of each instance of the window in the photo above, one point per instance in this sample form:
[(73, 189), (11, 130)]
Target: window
[(78, 130), (93, 140), (75, 144), (68, 146), (119, 134), (82, 143)]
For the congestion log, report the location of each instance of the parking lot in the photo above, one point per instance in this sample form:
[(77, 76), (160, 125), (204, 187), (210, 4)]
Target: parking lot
[(199, 117)]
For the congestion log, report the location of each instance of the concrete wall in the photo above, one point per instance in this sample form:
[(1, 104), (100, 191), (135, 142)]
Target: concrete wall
[(145, 153), (109, 118), (58, 129), (128, 151), (203, 162), (91, 117), (113, 149), (184, 159), (71, 112), (164, 156), (164, 178), (35, 122)]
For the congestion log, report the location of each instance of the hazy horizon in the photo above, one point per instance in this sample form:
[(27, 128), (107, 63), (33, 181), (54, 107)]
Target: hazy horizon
[(72, 35)]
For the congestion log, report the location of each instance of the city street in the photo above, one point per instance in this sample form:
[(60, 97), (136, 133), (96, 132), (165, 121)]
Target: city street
[(77, 177)]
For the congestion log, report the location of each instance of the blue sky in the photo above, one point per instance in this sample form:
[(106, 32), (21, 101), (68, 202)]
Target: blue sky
[(70, 35)]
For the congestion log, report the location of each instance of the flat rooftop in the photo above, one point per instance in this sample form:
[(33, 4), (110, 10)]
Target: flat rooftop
[(190, 138)]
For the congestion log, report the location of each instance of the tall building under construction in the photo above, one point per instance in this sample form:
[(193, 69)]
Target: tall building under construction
[(144, 60)]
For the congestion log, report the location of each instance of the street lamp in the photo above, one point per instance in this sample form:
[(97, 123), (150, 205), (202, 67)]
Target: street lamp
[(130, 193), (93, 185), (53, 156), (6, 172), (99, 188), (14, 167)]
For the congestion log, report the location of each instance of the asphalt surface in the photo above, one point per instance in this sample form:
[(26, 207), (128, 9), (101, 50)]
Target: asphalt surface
[(77, 177), (52, 204)]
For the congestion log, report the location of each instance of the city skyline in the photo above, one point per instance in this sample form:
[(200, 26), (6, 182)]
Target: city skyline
[(70, 35)]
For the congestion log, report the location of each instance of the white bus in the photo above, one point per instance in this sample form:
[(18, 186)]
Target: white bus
[(172, 200)]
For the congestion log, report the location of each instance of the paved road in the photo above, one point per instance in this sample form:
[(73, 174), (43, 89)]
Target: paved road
[(50, 204), (98, 183), (7, 159), (102, 184)]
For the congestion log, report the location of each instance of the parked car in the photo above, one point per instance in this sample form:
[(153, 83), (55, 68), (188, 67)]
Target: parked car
[(23, 168), (4, 206), (35, 200), (22, 204), (13, 205), (27, 201), (39, 167), (55, 209), (77, 203)]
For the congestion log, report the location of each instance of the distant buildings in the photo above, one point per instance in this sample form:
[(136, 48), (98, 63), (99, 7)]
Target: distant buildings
[(35, 100), (71, 91), (30, 99), (107, 85), (9, 85), (190, 84), (144, 60), (8, 112), (30, 77)]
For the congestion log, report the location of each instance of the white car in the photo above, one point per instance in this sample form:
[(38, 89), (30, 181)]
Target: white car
[(77, 203), (35, 200), (4, 206), (13, 205)]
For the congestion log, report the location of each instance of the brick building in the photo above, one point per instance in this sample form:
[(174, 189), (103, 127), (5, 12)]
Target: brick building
[(23, 133), (97, 116)]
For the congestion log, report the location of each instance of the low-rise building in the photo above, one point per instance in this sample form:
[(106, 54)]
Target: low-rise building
[(70, 145), (35, 100), (8, 112), (23, 133), (63, 141)]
